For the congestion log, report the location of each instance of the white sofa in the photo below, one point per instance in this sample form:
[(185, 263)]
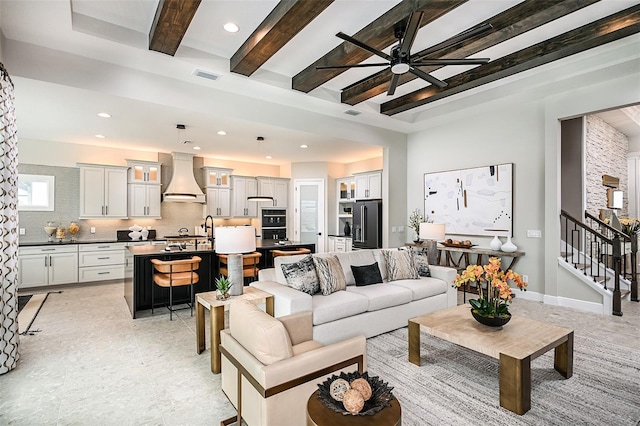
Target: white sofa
[(360, 310)]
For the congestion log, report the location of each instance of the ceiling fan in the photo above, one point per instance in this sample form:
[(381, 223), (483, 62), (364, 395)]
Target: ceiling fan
[(401, 61)]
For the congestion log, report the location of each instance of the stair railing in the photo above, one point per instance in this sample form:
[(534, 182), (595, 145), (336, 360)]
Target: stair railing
[(588, 250), (631, 264)]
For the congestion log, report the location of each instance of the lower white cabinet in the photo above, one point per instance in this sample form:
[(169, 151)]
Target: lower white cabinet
[(46, 265), (339, 244), (101, 262)]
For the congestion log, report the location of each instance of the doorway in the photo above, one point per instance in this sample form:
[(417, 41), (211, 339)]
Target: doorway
[(309, 212)]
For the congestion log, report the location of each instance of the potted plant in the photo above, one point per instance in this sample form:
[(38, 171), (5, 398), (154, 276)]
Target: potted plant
[(415, 219), (492, 306), (223, 285)]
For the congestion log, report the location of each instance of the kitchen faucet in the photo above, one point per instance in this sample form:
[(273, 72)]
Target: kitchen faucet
[(207, 227)]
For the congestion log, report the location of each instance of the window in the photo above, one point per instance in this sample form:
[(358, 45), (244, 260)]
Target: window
[(35, 192)]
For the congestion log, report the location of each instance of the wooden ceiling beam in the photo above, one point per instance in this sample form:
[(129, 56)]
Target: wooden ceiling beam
[(170, 24), (378, 34), (286, 20), (594, 34), (517, 20)]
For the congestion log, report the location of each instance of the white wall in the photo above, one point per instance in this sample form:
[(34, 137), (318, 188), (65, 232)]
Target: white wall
[(517, 120)]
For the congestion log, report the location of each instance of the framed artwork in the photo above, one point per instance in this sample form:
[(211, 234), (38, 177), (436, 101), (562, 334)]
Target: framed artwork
[(476, 201)]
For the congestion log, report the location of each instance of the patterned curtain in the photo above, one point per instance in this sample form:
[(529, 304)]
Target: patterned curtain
[(9, 338)]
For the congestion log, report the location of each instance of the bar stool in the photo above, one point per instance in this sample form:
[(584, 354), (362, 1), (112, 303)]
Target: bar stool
[(175, 273), (249, 264), (302, 250)]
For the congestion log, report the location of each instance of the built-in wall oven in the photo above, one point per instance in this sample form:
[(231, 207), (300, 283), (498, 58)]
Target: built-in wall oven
[(274, 224)]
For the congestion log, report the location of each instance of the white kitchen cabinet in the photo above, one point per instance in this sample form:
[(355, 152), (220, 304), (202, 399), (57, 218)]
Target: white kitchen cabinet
[(278, 188), (144, 171), (216, 176), (243, 187), (339, 244), (103, 192), (144, 200), (46, 265), (101, 262), (218, 202), (368, 185)]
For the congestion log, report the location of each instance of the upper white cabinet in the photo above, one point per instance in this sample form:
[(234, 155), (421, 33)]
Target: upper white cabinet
[(278, 188), (215, 176), (144, 171), (144, 200), (368, 185), (218, 202), (145, 193), (243, 187), (103, 191)]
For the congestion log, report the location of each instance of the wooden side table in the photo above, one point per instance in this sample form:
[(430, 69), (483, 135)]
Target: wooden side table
[(217, 308), (319, 415)]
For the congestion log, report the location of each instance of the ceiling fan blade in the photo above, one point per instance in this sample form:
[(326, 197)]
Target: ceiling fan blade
[(457, 39), (410, 33), (393, 84), (331, 67), (427, 77), (363, 46), (469, 61)]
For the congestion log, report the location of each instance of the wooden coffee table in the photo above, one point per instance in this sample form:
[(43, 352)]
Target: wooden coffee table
[(319, 415), (216, 308), (515, 345)]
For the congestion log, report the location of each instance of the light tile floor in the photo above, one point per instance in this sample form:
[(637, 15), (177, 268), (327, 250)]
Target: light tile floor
[(91, 364)]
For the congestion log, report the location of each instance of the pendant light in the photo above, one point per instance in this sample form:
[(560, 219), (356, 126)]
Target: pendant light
[(261, 198)]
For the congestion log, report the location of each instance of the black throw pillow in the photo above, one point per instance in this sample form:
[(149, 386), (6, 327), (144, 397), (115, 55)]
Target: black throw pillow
[(368, 274)]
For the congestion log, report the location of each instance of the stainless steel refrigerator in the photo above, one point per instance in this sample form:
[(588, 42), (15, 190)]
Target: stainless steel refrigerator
[(367, 224)]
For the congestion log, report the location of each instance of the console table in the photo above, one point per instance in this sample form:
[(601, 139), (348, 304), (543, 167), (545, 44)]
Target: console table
[(459, 258)]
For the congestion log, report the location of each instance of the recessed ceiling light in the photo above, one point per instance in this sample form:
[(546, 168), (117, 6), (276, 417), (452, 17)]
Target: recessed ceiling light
[(197, 148), (104, 115), (231, 27), (222, 133), (268, 157), (303, 146), (100, 136)]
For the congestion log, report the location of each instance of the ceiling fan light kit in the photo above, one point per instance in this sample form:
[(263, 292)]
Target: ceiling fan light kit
[(401, 61)]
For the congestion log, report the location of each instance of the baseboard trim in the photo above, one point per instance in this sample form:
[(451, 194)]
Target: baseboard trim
[(596, 308), (528, 295)]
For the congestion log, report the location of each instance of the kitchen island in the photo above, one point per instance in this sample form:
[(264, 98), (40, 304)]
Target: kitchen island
[(138, 274)]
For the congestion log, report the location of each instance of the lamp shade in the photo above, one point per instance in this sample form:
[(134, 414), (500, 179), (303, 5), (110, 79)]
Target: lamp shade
[(432, 231), (235, 239)]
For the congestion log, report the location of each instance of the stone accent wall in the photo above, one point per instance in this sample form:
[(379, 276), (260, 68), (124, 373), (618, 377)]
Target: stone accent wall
[(606, 154)]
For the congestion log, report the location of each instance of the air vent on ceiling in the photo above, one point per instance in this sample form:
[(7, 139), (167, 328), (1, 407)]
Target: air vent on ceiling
[(206, 74), (352, 112), (185, 142)]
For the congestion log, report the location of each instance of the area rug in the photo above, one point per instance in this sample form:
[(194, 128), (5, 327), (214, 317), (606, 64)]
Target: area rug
[(30, 311), (456, 386)]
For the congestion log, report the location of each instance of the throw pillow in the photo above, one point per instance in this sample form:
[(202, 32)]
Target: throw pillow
[(422, 265), (302, 275), (400, 265), (330, 274), (367, 274)]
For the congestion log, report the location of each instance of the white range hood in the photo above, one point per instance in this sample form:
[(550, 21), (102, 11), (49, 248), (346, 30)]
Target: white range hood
[(183, 187)]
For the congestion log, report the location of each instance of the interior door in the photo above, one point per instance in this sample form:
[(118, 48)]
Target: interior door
[(309, 214)]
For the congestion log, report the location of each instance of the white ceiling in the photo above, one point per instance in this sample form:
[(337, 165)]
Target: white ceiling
[(93, 46)]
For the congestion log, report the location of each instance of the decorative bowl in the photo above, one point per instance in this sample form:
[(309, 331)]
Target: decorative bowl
[(135, 235), (381, 395), (498, 321)]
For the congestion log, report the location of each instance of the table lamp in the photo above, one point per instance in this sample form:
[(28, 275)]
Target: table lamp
[(432, 233), (235, 241)]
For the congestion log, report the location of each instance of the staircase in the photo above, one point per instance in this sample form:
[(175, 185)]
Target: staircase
[(593, 250)]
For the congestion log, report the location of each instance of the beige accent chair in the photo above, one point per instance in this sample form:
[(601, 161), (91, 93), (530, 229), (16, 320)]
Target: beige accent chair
[(272, 365)]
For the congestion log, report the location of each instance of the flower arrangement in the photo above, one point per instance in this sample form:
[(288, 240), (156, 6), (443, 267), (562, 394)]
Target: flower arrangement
[(494, 300), (629, 225), (415, 219)]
